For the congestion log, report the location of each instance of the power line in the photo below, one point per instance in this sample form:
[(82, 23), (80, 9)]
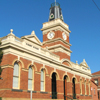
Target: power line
[(96, 5)]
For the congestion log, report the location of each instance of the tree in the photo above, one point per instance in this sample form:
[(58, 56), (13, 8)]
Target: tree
[(1, 55)]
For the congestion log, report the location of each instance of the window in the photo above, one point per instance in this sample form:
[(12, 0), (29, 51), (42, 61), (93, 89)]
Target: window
[(81, 86), (89, 87), (96, 81), (42, 80), (98, 94), (30, 78), (94, 90), (16, 76), (85, 88)]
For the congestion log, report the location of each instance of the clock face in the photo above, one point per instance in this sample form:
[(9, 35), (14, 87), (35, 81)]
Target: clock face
[(51, 16), (50, 35), (64, 36)]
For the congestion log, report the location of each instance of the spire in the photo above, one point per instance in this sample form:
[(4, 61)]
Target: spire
[(55, 11)]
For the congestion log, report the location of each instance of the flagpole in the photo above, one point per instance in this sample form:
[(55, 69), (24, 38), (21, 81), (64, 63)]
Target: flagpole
[(31, 95)]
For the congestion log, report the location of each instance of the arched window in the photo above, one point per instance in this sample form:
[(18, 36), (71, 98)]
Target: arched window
[(54, 86), (65, 86), (73, 88), (85, 88), (30, 78), (42, 80), (16, 76), (89, 87), (80, 86)]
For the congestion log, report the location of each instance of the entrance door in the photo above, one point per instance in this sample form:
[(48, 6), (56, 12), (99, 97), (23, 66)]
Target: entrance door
[(65, 87), (54, 92), (73, 88)]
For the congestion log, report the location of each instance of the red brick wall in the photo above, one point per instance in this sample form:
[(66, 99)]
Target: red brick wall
[(58, 34), (62, 55), (94, 91), (7, 75), (56, 43), (96, 76)]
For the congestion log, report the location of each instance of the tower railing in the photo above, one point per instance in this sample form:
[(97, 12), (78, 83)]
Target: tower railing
[(55, 4)]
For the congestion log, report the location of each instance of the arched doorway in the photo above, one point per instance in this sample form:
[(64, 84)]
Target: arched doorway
[(54, 86), (65, 87), (73, 88)]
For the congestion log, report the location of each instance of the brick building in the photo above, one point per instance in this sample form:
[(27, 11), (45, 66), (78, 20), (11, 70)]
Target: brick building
[(94, 90), (43, 68), (96, 78)]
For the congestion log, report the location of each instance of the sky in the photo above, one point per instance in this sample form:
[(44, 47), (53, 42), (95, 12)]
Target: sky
[(82, 16)]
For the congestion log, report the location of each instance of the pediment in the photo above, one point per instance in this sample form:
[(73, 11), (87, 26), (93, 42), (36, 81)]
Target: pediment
[(66, 62), (84, 64), (33, 38)]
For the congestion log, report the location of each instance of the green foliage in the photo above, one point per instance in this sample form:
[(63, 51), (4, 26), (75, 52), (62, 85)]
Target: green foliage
[(0, 70), (1, 55), (0, 98)]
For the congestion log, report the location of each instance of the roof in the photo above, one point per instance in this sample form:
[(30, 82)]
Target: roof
[(93, 82), (96, 73)]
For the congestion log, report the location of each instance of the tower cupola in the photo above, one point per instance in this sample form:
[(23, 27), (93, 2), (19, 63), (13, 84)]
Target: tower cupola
[(56, 33), (55, 12)]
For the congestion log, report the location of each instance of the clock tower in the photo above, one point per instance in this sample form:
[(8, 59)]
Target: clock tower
[(56, 33)]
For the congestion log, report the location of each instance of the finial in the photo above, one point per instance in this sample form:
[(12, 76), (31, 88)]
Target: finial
[(33, 32), (76, 62), (83, 60), (11, 33), (11, 30)]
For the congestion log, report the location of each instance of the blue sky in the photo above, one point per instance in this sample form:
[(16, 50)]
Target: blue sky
[(82, 16)]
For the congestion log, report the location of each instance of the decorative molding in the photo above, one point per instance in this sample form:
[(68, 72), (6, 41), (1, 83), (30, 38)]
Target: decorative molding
[(7, 66), (37, 73), (56, 39), (23, 69), (54, 25), (61, 46), (17, 49)]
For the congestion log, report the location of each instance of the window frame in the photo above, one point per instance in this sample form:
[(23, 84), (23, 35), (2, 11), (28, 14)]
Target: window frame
[(32, 79), (16, 76), (42, 81)]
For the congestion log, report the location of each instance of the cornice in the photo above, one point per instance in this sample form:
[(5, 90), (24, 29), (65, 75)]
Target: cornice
[(57, 39), (76, 70), (55, 25), (43, 57), (25, 50), (59, 45)]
